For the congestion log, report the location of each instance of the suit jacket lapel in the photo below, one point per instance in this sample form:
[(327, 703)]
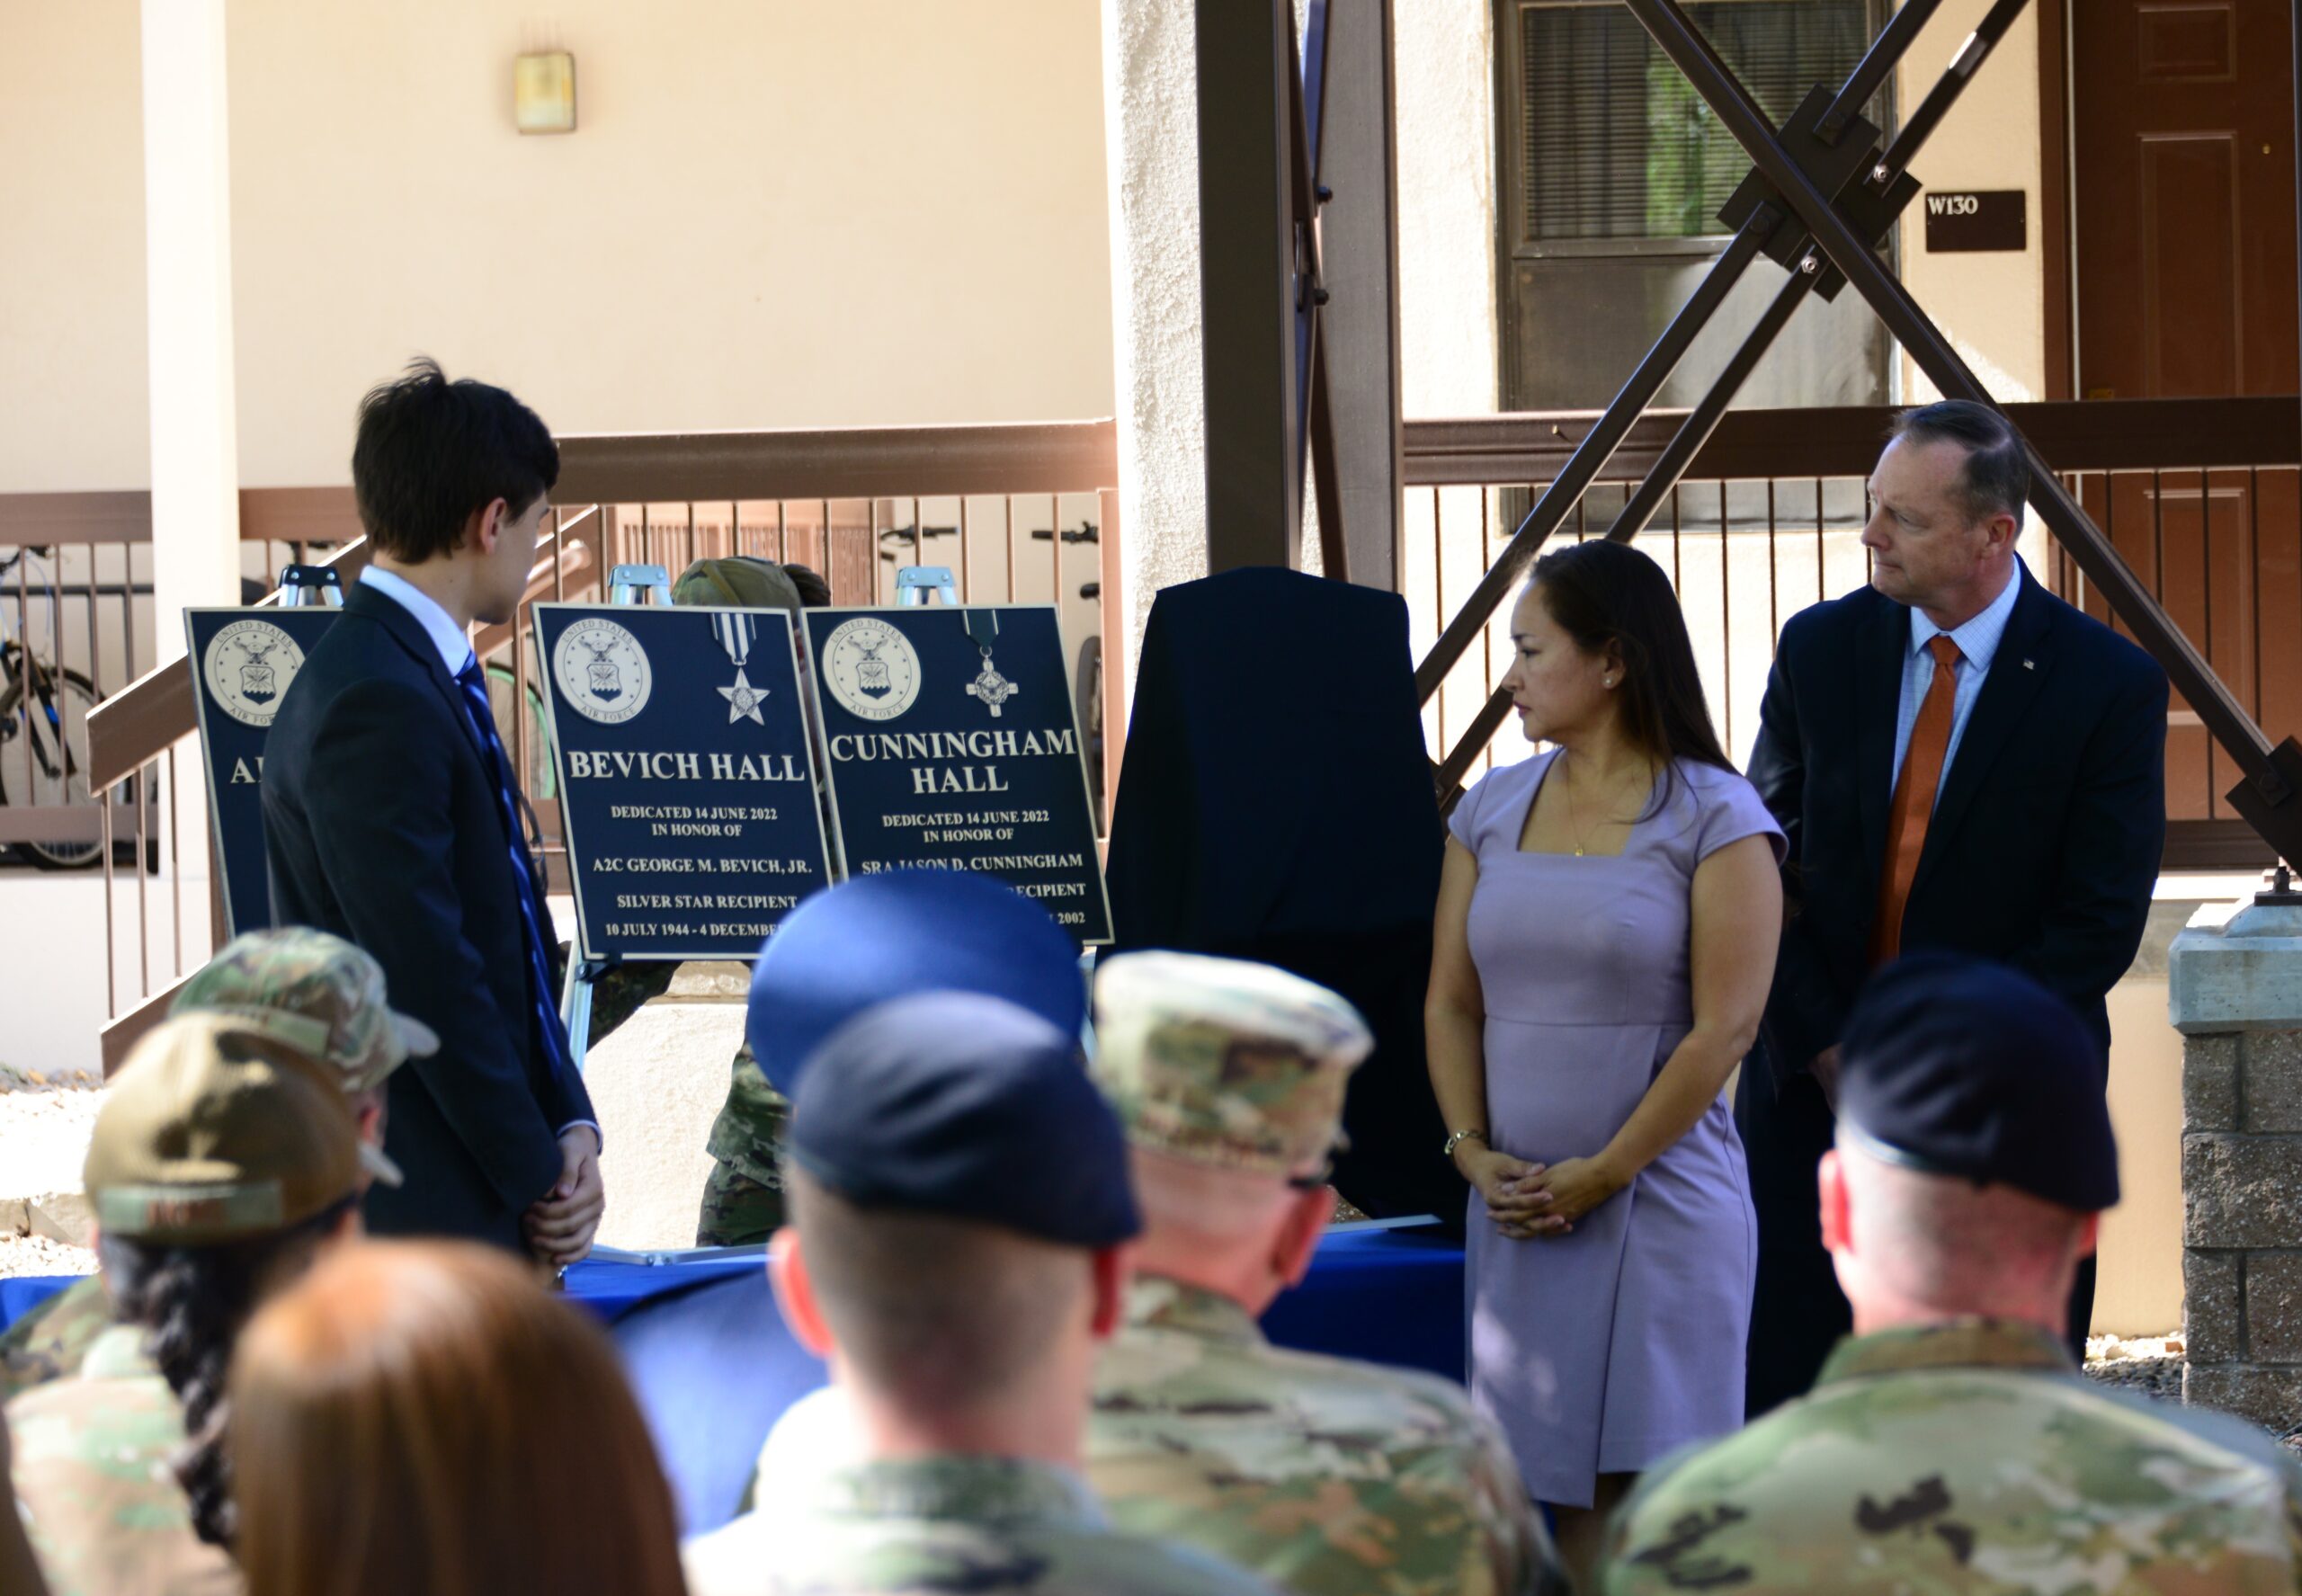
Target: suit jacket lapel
[(408, 632), (1879, 642), (2017, 671)]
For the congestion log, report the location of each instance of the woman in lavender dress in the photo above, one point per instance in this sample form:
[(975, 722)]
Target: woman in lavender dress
[(1606, 935)]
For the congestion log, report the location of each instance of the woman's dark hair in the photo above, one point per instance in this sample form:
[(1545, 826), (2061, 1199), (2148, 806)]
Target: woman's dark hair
[(815, 592), (1602, 593), (194, 1301), (430, 451)]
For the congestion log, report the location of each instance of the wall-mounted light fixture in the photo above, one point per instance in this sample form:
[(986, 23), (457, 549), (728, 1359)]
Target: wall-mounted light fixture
[(543, 93)]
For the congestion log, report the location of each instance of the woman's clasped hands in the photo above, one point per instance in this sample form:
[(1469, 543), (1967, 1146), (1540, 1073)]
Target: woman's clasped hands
[(1532, 1201)]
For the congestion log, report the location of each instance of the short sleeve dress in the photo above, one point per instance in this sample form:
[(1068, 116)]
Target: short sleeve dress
[(1598, 1351)]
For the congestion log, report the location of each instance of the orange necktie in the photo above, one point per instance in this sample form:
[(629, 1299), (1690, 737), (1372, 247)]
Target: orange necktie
[(1930, 745)]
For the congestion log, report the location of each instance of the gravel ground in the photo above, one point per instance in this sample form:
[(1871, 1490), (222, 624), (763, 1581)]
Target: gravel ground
[(37, 1255), (2148, 1366), (43, 1139)]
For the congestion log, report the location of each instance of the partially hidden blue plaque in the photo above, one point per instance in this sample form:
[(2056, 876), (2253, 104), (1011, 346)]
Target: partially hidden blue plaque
[(242, 661), (952, 744), (687, 784)]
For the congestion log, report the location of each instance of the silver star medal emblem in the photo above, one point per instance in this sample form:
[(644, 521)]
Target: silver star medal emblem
[(742, 699), (735, 630), (991, 687)]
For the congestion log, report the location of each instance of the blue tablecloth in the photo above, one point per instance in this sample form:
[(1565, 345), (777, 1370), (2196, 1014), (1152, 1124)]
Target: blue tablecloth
[(715, 1367), (20, 1293)]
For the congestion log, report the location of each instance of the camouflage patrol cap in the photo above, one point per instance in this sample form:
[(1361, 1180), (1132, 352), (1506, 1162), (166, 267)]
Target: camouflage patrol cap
[(216, 1129), (316, 992), (741, 581), (1227, 1063)]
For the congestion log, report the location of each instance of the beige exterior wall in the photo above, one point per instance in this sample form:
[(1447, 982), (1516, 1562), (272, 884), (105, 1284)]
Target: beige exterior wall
[(820, 212), (817, 212), (1993, 306), (73, 413)]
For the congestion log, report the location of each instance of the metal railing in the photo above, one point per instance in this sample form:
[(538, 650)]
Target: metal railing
[(1021, 513), (2201, 497)]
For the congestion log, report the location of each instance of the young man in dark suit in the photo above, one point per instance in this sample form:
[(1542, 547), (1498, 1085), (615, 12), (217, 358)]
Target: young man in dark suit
[(1961, 761), (390, 819)]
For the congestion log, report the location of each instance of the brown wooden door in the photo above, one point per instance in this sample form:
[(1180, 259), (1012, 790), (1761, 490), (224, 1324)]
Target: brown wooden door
[(2182, 137)]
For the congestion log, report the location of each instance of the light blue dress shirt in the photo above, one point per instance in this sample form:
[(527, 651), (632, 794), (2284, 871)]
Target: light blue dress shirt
[(1977, 642)]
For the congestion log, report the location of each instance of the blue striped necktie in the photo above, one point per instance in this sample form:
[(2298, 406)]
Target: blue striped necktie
[(532, 910)]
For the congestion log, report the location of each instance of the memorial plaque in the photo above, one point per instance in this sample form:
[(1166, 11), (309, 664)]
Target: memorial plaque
[(242, 661), (687, 784), (952, 743)]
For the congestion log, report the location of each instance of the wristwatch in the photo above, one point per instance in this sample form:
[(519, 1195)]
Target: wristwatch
[(1457, 1138)]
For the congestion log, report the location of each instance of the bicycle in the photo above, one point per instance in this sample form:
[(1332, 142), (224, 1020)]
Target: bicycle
[(44, 708)]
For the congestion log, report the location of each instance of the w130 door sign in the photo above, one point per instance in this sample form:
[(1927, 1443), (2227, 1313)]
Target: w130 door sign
[(951, 744), (243, 661), (687, 785)]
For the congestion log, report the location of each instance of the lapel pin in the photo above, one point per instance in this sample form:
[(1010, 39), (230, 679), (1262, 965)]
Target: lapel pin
[(2029, 664)]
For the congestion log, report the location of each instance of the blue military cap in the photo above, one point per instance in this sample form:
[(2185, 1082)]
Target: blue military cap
[(967, 1107), (883, 935), (1959, 1066)]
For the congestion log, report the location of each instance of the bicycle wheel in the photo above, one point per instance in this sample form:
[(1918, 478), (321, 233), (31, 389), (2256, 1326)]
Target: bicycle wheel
[(55, 724)]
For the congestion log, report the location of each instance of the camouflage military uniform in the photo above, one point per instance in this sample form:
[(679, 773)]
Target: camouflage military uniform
[(102, 1511), (1970, 1457), (318, 993), (1330, 1477), (743, 1198), (48, 1343), (982, 1526)]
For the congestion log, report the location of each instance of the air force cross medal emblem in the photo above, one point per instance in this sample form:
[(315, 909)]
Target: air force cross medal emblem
[(992, 688)]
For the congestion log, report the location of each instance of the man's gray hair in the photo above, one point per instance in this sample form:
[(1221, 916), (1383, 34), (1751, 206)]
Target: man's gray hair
[(1997, 477)]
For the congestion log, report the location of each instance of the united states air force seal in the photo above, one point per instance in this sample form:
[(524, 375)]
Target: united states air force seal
[(601, 671), (247, 667), (871, 668)]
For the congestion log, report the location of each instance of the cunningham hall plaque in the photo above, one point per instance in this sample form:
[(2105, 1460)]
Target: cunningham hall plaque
[(687, 787), (951, 743), (242, 661)]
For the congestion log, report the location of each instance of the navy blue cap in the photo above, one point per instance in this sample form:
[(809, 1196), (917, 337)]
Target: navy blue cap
[(1959, 1066), (967, 1107), (897, 932)]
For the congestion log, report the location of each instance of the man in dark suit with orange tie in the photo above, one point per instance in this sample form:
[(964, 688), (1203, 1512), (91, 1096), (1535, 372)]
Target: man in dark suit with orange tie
[(391, 819), (1960, 760)]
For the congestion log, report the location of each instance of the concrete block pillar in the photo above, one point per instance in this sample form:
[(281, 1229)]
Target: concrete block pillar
[(2236, 996)]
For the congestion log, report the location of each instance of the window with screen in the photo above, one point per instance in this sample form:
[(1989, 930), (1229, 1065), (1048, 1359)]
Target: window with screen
[(1619, 146)]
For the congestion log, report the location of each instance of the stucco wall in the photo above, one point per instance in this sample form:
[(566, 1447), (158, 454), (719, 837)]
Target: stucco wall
[(1151, 156), (1992, 305), (73, 413), (819, 212)]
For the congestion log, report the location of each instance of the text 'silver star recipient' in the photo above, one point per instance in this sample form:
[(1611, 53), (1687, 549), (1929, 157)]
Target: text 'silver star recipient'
[(391, 819)]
